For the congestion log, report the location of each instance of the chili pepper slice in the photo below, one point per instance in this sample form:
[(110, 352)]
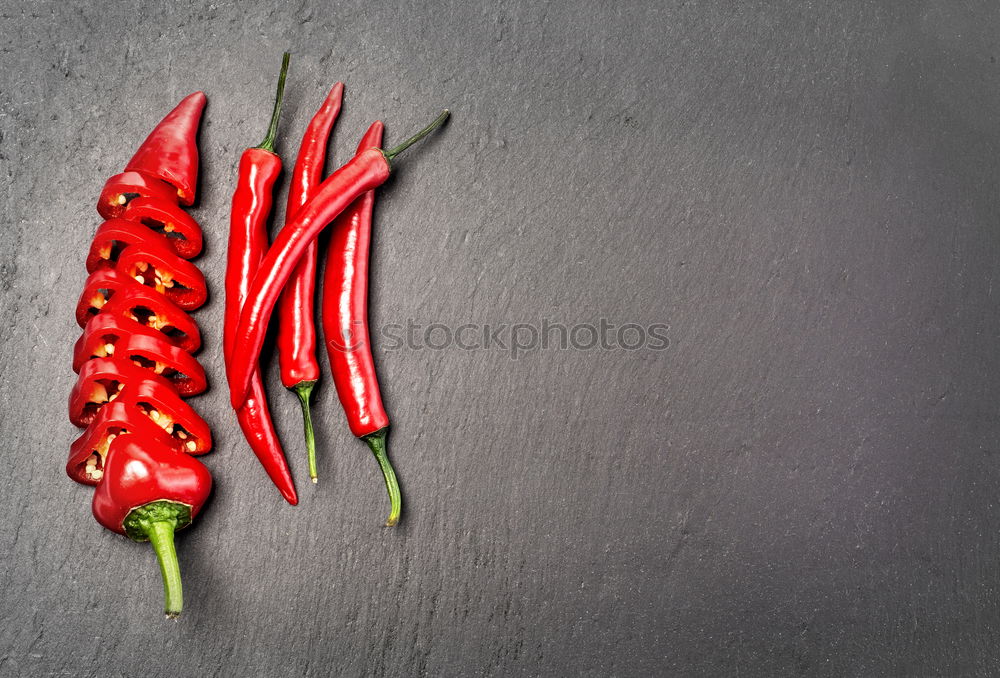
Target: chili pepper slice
[(170, 152), (101, 381), (365, 172), (88, 452), (155, 265), (148, 492), (115, 235), (167, 218), (345, 328), (122, 188), (107, 335), (110, 292), (252, 200), (297, 326)]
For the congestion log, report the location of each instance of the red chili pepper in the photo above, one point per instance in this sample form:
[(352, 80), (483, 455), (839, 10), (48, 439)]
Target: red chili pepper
[(149, 491), (170, 152), (258, 170), (133, 359), (345, 327), (297, 326), (363, 173)]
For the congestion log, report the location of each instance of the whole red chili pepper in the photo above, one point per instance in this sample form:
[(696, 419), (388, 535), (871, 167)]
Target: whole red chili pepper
[(345, 328), (133, 359), (296, 324), (258, 170), (364, 172), (149, 491)]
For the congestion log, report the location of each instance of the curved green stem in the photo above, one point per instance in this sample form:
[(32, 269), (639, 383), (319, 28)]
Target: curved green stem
[(376, 441), (304, 390), (272, 130), (156, 522), (396, 150), (161, 536)]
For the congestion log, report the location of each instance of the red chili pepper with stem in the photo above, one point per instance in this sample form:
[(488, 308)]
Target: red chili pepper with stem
[(258, 170), (148, 493), (133, 358), (365, 172), (296, 324), (345, 328)]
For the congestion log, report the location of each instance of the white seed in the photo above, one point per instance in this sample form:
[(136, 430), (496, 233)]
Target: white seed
[(140, 280), (191, 446), (182, 435), (112, 437), (121, 386), (120, 199), (97, 475), (169, 429), (109, 349), (154, 414)]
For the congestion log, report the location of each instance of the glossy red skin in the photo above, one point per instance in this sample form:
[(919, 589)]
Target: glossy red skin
[(139, 472), (131, 338), (363, 173), (132, 185), (127, 295), (170, 152), (296, 321), (345, 310), (252, 202), (113, 417)]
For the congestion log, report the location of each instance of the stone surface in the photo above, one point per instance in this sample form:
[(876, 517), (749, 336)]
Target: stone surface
[(803, 483)]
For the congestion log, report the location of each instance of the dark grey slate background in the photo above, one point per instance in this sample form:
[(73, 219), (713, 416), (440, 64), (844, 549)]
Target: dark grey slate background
[(804, 483)]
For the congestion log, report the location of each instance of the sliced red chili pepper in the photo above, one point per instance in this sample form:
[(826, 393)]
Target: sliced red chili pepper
[(132, 359), (110, 292), (296, 324), (120, 189), (170, 152), (148, 492), (88, 452), (345, 327), (155, 265), (252, 200)]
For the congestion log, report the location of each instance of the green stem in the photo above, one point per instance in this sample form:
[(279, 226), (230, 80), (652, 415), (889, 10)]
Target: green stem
[(393, 152), (376, 441), (272, 130), (161, 536), (304, 390)]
